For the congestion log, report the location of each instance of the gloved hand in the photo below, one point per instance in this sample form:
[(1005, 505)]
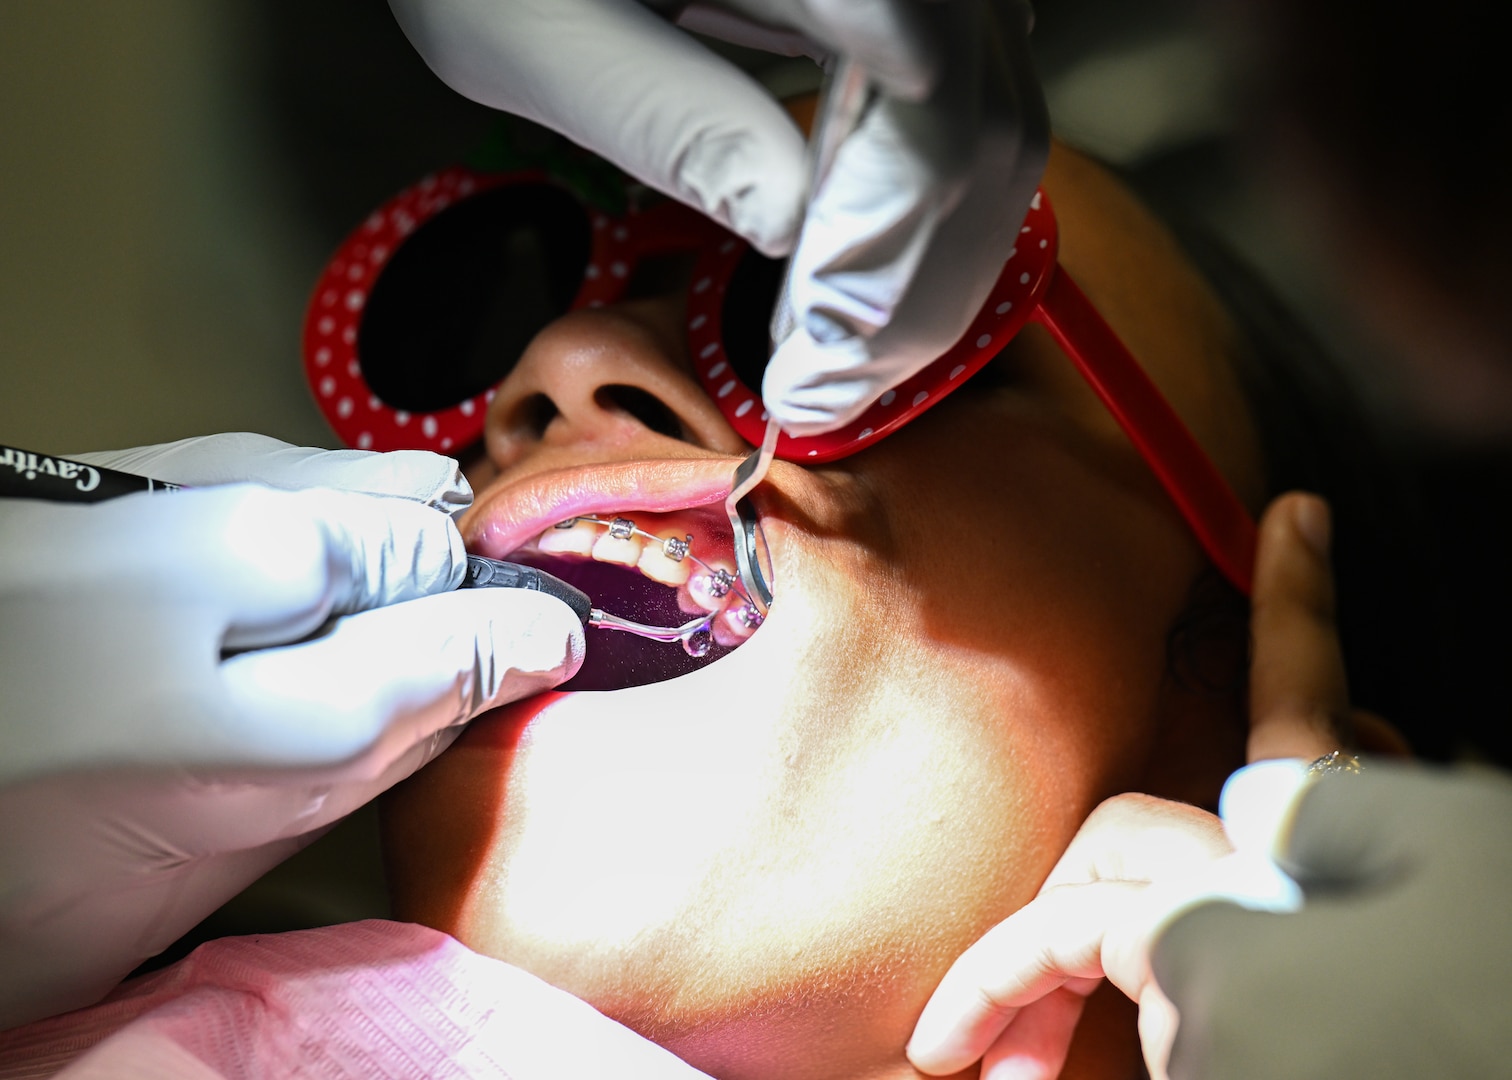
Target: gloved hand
[(193, 684), (1399, 963), (915, 220)]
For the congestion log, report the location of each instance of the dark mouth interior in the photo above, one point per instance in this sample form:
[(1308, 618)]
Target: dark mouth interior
[(617, 660)]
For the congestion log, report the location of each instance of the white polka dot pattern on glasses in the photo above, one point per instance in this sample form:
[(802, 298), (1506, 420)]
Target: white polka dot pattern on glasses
[(340, 299)]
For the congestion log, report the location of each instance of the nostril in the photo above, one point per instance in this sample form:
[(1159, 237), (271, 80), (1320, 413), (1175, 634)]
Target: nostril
[(536, 413), (647, 408)]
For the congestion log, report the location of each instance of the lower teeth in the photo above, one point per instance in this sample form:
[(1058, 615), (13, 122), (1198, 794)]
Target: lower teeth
[(696, 638)]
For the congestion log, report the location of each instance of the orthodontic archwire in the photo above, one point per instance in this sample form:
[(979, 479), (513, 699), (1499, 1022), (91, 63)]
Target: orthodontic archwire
[(694, 634)]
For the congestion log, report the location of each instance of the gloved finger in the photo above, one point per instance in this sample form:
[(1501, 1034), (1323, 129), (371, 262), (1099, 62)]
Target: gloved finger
[(1056, 939), (907, 234), (1218, 962), (1299, 696), (633, 89), (244, 565), (381, 682), (237, 457), (1356, 831), (1035, 1045)]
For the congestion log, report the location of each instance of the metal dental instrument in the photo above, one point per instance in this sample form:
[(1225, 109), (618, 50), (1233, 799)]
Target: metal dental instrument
[(842, 101)]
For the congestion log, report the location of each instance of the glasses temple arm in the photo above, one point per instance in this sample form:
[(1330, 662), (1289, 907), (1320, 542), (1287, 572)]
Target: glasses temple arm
[(1221, 522)]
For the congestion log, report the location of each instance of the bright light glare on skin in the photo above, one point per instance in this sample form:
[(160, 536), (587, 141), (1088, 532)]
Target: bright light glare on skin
[(554, 820)]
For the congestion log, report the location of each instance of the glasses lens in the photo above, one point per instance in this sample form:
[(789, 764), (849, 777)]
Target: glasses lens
[(747, 314), (464, 295)]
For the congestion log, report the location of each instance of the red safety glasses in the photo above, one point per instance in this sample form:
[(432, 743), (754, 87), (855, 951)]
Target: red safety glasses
[(425, 307)]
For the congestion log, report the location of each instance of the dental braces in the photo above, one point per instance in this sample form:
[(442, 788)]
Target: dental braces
[(696, 635)]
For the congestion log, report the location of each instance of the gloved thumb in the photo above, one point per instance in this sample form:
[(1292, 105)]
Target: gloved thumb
[(382, 681)]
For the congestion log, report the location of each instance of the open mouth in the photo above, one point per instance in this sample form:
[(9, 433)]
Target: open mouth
[(660, 553)]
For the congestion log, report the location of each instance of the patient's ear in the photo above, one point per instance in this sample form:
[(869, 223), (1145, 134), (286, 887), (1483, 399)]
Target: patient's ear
[(1201, 723)]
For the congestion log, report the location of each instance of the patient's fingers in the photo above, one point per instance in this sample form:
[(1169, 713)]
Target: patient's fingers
[(1035, 1045), (1299, 697), (1055, 942)]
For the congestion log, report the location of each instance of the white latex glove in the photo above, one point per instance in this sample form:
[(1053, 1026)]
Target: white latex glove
[(1399, 963), (914, 222), (146, 775)]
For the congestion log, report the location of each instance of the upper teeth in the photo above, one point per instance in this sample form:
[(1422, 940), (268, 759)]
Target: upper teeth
[(702, 586)]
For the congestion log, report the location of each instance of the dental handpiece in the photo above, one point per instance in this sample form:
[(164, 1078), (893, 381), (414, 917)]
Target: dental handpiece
[(28, 475)]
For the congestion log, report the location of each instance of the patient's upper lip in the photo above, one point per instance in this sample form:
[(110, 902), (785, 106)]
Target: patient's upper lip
[(513, 515)]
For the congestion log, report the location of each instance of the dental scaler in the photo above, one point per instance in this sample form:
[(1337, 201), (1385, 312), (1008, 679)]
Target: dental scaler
[(28, 475), (843, 100)]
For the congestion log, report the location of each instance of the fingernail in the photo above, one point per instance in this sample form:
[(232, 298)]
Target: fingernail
[(1314, 523)]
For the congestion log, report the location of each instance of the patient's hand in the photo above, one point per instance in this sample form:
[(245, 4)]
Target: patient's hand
[(1017, 994)]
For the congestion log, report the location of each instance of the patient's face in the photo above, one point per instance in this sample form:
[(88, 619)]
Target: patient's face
[(767, 863)]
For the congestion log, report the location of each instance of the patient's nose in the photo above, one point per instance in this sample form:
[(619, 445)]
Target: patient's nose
[(614, 379)]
